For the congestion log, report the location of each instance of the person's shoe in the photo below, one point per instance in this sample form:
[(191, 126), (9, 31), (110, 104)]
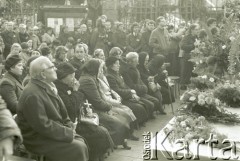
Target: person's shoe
[(152, 117), (134, 138), (162, 113), (125, 146)]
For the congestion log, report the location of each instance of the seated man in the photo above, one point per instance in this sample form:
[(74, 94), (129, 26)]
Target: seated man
[(43, 119), (132, 78)]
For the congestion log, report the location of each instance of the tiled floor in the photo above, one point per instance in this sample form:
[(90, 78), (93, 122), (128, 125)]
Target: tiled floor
[(135, 154)]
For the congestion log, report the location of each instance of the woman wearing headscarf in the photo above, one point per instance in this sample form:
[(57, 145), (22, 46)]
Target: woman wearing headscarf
[(90, 87), (157, 69), (148, 80), (98, 138)]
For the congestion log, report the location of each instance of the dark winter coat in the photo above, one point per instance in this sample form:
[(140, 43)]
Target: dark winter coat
[(132, 78), (11, 90), (45, 125), (133, 43)]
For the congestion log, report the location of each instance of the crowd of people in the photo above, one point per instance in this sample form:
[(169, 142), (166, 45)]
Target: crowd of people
[(82, 94)]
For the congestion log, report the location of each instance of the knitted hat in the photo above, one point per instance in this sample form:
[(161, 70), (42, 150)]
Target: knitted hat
[(11, 61), (64, 69)]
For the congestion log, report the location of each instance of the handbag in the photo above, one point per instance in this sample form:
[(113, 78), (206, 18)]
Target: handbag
[(87, 115)]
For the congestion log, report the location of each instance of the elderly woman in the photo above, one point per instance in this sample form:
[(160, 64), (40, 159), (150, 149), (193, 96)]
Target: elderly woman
[(90, 87), (11, 84), (157, 69), (98, 138), (127, 94), (148, 80)]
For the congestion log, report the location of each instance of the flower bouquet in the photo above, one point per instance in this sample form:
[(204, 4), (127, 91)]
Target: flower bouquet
[(189, 128), (204, 82), (229, 93), (200, 103)]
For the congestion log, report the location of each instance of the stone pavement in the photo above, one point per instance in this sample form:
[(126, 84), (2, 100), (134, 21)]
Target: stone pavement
[(135, 154)]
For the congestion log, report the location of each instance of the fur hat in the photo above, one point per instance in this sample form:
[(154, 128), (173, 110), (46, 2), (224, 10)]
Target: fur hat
[(64, 69), (12, 60)]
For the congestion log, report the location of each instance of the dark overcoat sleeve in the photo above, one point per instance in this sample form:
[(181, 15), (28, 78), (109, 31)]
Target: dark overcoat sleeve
[(8, 92), (90, 89), (38, 119), (124, 93)]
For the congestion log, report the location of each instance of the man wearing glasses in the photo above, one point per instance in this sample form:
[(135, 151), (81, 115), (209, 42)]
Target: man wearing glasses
[(43, 119)]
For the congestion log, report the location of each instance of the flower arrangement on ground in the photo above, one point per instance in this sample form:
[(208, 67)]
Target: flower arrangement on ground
[(203, 103), (204, 82), (189, 128), (229, 93)]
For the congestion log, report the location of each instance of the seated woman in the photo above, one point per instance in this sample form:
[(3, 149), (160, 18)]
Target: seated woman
[(148, 80), (11, 84), (128, 95), (157, 70), (110, 96), (98, 138), (90, 87)]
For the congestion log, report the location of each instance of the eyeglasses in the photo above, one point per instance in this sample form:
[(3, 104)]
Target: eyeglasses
[(51, 67)]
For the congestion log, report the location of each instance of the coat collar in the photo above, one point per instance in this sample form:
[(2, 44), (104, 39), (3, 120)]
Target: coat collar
[(9, 76), (45, 86)]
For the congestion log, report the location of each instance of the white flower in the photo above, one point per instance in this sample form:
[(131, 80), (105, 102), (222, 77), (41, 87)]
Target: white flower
[(201, 96), (192, 98), (187, 128), (224, 47), (183, 124), (232, 38), (201, 102), (204, 76), (208, 100), (69, 92), (211, 79), (201, 62)]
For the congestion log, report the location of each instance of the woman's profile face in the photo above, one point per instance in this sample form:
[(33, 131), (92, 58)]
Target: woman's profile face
[(146, 61), (100, 70)]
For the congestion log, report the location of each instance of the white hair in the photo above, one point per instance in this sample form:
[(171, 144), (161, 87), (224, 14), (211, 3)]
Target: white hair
[(131, 55), (22, 26), (37, 66)]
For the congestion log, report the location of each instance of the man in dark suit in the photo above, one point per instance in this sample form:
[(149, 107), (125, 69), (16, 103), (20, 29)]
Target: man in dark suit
[(43, 119), (78, 59), (9, 38), (132, 78)]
